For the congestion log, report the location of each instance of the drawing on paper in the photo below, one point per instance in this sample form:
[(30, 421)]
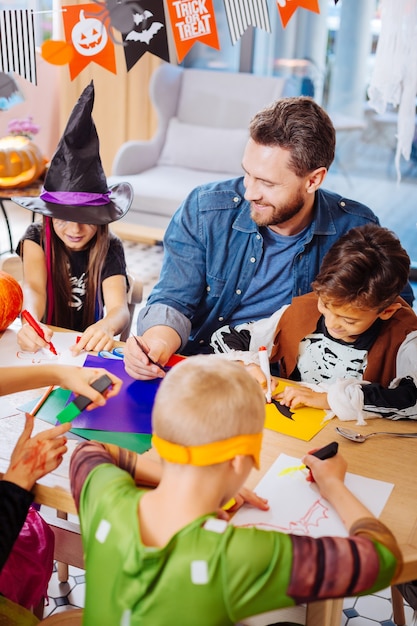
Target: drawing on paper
[(11, 355), (303, 526), (40, 356), (296, 505)]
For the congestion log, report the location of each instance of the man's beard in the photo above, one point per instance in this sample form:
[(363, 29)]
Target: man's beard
[(279, 215)]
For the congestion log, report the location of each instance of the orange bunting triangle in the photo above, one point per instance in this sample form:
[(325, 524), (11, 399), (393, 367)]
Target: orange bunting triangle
[(287, 8), (192, 21), (86, 31), (57, 52)]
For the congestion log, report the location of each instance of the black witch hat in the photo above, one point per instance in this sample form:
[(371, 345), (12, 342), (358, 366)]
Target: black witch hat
[(75, 187)]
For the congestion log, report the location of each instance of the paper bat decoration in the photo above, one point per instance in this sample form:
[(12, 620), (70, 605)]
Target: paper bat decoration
[(120, 13), (146, 35), (9, 92)]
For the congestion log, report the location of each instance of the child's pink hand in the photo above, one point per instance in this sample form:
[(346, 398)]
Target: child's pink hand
[(244, 496)]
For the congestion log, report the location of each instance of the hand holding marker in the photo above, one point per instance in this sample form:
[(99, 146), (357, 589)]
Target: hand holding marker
[(146, 351), (73, 409), (34, 324), (327, 452)]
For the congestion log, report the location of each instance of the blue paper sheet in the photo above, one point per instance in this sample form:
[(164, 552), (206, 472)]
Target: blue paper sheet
[(130, 411)]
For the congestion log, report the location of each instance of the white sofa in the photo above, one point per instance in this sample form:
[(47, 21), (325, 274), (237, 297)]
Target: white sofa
[(203, 118)]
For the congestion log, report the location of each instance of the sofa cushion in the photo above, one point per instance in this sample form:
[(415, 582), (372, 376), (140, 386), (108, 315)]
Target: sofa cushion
[(173, 185), (204, 147)]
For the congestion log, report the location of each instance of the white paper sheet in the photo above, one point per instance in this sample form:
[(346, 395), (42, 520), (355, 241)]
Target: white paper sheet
[(296, 505), (11, 355), (7, 409)]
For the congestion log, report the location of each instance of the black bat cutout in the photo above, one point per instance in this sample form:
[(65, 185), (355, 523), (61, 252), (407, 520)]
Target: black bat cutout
[(284, 410)]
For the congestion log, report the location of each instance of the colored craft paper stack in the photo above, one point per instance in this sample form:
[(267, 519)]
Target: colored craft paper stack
[(301, 423), (125, 420)]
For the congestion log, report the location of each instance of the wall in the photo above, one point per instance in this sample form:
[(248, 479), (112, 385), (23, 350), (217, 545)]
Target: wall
[(42, 103), (122, 109)]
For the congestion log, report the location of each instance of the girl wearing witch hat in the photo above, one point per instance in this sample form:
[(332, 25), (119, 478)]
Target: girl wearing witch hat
[(74, 269)]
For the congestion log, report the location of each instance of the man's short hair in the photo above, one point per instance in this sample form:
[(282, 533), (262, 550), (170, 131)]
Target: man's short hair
[(300, 126)]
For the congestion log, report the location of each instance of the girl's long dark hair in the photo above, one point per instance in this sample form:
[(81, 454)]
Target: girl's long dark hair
[(58, 310)]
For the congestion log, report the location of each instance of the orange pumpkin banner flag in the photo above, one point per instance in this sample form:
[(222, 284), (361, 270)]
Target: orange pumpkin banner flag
[(192, 21), (86, 31), (287, 8)]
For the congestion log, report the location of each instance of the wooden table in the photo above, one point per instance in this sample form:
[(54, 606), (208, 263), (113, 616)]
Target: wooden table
[(390, 459), (387, 459)]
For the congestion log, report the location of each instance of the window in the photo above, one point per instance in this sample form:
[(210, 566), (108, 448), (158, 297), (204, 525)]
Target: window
[(43, 15), (303, 52)]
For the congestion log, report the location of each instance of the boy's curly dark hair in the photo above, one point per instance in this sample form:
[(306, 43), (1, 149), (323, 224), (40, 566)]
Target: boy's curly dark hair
[(367, 266)]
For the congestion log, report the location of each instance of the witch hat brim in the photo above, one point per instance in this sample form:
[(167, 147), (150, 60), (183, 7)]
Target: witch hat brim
[(75, 187), (121, 196)]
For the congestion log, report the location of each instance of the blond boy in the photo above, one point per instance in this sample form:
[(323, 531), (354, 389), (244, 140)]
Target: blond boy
[(163, 556)]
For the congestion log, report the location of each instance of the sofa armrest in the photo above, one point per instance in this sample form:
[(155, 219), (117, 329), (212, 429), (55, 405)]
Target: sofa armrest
[(134, 157)]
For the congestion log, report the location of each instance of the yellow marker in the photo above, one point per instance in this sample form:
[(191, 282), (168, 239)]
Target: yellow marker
[(229, 504)]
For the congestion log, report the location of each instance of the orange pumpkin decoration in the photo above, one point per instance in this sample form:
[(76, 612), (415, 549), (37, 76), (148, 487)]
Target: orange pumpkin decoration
[(21, 161), (11, 300)]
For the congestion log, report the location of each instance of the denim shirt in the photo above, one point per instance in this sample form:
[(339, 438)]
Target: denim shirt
[(212, 249)]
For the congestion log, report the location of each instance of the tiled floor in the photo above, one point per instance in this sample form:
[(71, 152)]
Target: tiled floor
[(373, 610), (395, 205)]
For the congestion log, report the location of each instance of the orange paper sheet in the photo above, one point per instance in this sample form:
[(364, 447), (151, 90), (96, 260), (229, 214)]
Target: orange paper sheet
[(302, 423)]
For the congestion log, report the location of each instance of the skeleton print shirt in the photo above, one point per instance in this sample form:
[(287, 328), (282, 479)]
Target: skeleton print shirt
[(114, 265), (352, 374)]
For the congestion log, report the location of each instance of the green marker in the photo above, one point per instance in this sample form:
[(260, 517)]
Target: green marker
[(73, 409)]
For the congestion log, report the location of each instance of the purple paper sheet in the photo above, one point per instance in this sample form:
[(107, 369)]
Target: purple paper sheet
[(130, 411)]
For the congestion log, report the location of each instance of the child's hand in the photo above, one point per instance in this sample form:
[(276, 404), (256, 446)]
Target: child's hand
[(326, 473), (29, 340), (244, 496), (256, 372), (79, 380), (95, 338), (294, 397), (33, 457)]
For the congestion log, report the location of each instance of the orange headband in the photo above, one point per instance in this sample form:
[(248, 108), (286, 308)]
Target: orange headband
[(210, 453)]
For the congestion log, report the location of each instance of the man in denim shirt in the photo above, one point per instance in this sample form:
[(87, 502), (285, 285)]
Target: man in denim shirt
[(237, 250)]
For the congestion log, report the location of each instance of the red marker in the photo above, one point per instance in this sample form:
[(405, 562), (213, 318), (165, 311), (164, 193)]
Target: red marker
[(32, 322)]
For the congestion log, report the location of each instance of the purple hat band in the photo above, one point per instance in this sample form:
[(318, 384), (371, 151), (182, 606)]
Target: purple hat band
[(76, 198)]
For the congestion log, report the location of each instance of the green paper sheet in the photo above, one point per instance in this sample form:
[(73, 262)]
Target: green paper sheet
[(55, 402), (132, 441), (137, 442)]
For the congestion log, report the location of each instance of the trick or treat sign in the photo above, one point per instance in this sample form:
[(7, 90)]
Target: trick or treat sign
[(192, 21)]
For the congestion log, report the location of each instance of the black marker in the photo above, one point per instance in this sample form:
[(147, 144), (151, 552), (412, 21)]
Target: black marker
[(326, 452), (73, 409)]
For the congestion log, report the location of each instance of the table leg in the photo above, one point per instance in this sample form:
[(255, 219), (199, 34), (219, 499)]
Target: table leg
[(62, 567), (397, 607), (7, 224), (324, 613)]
